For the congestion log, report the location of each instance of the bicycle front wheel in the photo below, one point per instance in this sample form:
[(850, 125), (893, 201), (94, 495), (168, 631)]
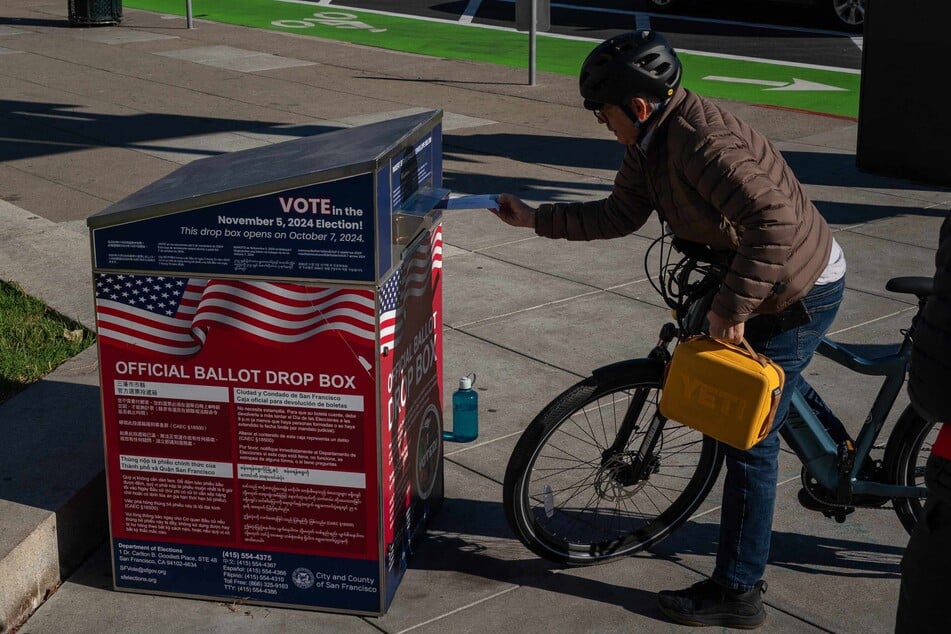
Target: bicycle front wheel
[(570, 504)]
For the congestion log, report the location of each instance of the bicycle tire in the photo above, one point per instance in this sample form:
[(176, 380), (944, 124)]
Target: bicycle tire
[(587, 526), (906, 454)]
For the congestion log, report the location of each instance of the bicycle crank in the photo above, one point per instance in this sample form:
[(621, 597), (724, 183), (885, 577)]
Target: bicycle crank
[(816, 497)]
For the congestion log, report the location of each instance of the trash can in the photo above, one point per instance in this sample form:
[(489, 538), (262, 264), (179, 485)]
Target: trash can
[(270, 346), (95, 12)]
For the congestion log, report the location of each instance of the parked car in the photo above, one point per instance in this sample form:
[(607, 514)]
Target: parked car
[(847, 15)]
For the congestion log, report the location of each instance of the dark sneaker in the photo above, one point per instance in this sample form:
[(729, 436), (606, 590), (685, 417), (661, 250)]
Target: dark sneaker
[(708, 603)]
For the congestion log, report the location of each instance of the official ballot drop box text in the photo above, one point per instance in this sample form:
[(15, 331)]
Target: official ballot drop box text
[(269, 327)]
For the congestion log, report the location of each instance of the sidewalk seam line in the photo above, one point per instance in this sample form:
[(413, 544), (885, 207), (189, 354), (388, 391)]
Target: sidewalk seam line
[(459, 609)]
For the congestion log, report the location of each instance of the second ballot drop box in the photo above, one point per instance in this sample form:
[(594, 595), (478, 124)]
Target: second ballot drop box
[(269, 327)]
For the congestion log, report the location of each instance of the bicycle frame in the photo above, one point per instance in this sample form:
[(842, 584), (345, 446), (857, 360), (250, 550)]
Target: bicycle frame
[(810, 440), (600, 473), (834, 466)]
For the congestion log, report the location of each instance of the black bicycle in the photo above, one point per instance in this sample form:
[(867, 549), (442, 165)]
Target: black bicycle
[(600, 474)]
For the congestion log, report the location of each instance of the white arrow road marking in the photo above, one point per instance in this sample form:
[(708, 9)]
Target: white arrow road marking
[(796, 84), (743, 80), (802, 84)]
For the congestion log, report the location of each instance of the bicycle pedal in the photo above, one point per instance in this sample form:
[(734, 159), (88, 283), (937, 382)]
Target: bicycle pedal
[(839, 515)]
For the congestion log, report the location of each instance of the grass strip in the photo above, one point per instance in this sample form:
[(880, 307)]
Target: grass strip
[(33, 340), (828, 91)]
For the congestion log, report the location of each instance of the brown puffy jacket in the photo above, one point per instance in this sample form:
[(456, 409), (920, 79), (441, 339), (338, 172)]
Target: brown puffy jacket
[(717, 181), (930, 374)]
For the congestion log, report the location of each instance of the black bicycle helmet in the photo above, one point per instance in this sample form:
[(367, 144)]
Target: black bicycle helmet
[(636, 64)]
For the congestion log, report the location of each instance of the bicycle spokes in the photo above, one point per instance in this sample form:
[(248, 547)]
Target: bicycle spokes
[(611, 465)]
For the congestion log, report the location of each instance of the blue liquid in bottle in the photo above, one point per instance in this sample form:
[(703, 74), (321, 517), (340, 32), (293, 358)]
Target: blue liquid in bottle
[(465, 413)]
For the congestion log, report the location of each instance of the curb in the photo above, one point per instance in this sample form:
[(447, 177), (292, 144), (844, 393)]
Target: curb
[(52, 479)]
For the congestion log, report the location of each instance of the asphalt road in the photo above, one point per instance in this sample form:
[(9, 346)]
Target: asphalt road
[(781, 30)]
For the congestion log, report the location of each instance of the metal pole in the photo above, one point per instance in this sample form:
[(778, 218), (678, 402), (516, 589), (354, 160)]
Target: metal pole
[(188, 13), (532, 29)]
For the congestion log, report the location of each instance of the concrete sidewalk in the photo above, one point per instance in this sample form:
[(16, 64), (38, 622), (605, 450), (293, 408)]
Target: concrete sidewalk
[(92, 115)]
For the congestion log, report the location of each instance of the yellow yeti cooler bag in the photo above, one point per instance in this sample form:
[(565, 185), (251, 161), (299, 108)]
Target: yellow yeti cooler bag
[(726, 391)]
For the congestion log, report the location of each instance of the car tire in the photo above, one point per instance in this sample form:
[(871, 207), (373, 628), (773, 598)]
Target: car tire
[(665, 6), (846, 15)]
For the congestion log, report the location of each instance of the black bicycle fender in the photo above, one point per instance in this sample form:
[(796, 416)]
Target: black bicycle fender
[(630, 364)]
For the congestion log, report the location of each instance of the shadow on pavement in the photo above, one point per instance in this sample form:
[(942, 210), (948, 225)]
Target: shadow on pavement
[(458, 554), (838, 169), (438, 80), (34, 22), (801, 552), (34, 129), (812, 168), (804, 553)]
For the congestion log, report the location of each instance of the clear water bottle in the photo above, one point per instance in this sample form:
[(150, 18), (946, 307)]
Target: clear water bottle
[(465, 412)]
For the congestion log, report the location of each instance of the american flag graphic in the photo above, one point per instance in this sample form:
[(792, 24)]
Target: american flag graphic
[(391, 317), (415, 278), (172, 315)]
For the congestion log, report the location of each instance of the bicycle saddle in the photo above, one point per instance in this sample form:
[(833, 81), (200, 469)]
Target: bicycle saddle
[(912, 285)]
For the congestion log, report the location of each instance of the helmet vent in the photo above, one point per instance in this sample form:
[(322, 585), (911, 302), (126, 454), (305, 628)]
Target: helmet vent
[(636, 63)]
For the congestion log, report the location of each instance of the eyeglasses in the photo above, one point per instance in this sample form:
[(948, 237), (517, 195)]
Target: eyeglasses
[(599, 115)]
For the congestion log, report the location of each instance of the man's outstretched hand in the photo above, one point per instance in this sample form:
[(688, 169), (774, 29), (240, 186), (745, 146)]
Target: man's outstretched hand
[(513, 210)]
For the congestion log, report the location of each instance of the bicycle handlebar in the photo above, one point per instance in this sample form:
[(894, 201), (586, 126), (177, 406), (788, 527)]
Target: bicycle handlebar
[(702, 252)]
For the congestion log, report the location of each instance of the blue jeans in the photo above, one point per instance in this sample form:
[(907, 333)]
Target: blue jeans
[(749, 491)]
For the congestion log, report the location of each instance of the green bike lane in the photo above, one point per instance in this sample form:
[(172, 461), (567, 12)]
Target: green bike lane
[(808, 88)]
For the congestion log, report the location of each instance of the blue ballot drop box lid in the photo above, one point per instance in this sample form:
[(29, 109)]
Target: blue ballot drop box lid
[(341, 206), (279, 166)]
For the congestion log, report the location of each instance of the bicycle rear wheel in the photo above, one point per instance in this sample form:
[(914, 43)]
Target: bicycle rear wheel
[(906, 455), (570, 505)]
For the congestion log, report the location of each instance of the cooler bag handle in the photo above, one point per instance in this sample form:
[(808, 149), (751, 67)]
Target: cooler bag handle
[(759, 358)]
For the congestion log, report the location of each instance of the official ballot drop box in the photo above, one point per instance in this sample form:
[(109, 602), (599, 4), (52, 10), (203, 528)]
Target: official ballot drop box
[(269, 327)]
